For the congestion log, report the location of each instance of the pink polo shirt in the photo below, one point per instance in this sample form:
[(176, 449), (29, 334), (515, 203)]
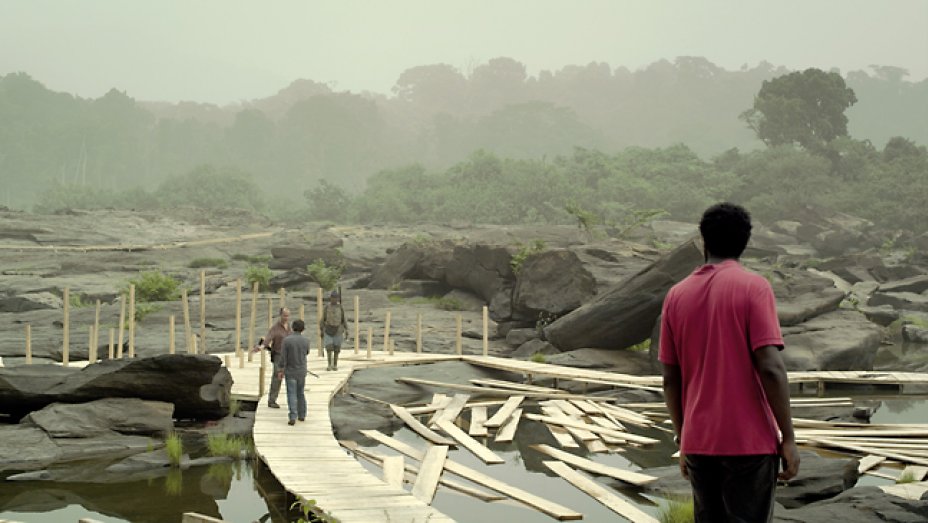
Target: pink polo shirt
[(712, 321)]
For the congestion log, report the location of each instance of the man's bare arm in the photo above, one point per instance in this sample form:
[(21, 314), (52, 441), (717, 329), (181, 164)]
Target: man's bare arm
[(673, 396), (772, 372)]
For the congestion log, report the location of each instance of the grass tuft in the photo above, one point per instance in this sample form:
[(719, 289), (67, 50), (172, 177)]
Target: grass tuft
[(678, 511), (174, 448)]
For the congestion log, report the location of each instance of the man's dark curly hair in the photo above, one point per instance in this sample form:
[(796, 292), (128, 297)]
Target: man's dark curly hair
[(725, 229)]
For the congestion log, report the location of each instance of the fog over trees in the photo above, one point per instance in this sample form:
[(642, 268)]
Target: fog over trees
[(492, 145)]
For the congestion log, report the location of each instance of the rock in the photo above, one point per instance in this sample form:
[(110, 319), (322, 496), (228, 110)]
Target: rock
[(625, 362), (464, 301), (501, 305), (416, 288), (900, 300), (858, 505), (839, 340), (882, 315), (197, 385), (481, 269), (291, 278), (819, 478), (29, 302), (916, 284), (517, 337), (915, 334), (296, 257), (124, 415), (624, 315), (26, 448), (532, 347), (888, 273), (427, 261), (552, 282), (798, 309)]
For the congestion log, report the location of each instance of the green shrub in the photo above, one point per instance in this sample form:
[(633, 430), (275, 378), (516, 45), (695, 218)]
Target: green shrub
[(199, 263), (259, 273), (76, 301), (225, 445), (641, 347), (525, 250), (677, 511), (445, 303), (154, 286), (906, 477), (256, 259), (326, 276), (310, 513), (396, 298), (144, 309), (174, 448), (538, 358), (174, 482)]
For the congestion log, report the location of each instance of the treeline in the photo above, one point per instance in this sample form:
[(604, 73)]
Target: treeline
[(435, 116), (596, 190)]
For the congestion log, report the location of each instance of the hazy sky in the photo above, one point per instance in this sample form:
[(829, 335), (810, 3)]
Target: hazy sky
[(223, 51)]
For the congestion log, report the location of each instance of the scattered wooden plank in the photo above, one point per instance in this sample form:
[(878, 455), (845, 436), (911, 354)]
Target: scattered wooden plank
[(869, 450), (504, 412), (918, 472), (868, 462), (563, 438), (550, 508), (496, 392), (580, 434), (393, 471), (507, 430), (439, 401), (568, 408), (428, 409), (377, 459), (478, 416), (567, 422), (596, 446), (454, 408), (486, 455), (913, 491), (599, 493), (430, 473), (500, 384), (628, 476), (420, 429)]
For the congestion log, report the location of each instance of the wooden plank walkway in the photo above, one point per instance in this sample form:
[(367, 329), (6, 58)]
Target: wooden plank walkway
[(309, 462)]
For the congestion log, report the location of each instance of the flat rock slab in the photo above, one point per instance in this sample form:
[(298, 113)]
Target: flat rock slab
[(124, 415)]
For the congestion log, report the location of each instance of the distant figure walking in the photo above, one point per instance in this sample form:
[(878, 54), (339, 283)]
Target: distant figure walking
[(724, 380), (274, 340), (333, 327), (293, 369)]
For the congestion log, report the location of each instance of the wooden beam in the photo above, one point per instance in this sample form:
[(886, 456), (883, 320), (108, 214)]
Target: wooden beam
[(488, 390), (393, 471), (599, 493), (628, 476), (507, 430), (478, 416), (869, 450), (430, 473), (548, 507), (504, 412), (567, 422), (420, 429), (453, 409), (486, 455)]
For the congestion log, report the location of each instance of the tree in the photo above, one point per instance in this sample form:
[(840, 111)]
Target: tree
[(801, 107)]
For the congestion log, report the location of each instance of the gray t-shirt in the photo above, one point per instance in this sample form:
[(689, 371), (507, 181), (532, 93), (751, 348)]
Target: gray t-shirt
[(293, 355)]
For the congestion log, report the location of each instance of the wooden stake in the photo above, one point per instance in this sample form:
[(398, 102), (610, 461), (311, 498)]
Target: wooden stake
[(303, 312), (270, 315), (91, 350), (357, 325), (486, 336), (171, 349), (202, 344), (252, 319), (282, 294), (261, 377), (419, 333), (66, 335), (188, 331), (28, 344), (96, 326), (457, 335), (228, 361), (238, 318), (109, 349), (392, 347), (319, 309), (370, 341), (131, 321), (386, 334), (122, 324)]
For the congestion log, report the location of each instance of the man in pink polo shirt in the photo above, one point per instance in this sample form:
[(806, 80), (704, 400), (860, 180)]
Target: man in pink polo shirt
[(724, 381)]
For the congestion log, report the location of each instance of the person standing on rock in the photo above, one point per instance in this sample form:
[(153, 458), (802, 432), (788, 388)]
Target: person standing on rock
[(293, 368), (275, 341), (724, 380), (333, 327)]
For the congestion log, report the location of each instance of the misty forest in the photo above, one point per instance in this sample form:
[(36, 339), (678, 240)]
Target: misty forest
[(588, 142)]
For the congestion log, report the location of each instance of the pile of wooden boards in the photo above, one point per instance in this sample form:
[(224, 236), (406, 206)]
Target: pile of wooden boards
[(601, 427)]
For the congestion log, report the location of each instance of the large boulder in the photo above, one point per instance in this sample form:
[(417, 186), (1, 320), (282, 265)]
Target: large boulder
[(797, 309), (916, 284), (839, 340), (858, 505), (287, 257), (624, 315), (424, 261), (481, 269), (819, 478), (551, 282), (197, 385), (915, 333), (123, 415), (29, 302), (908, 301)]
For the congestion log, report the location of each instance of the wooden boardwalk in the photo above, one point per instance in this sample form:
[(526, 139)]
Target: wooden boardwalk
[(308, 461)]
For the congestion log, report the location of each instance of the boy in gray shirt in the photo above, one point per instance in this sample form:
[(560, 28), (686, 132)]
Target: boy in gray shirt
[(292, 368)]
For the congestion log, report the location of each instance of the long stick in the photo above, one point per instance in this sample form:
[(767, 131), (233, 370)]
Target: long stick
[(91, 350), (171, 334), (386, 333), (66, 335), (131, 321), (252, 318), (270, 315), (202, 347), (319, 313), (96, 326), (109, 349), (486, 337), (188, 331), (238, 318), (122, 324), (283, 297), (28, 344), (370, 341), (419, 333), (457, 335), (357, 324)]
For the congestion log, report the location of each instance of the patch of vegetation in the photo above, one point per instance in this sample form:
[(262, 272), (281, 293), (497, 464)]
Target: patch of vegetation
[(538, 358), (174, 448), (644, 346), (225, 445), (144, 309), (445, 303), (638, 217), (310, 513), (677, 511), (906, 477), (256, 259), (155, 286), (396, 298), (525, 250), (325, 275), (199, 263), (174, 482), (260, 274), (234, 406), (76, 301)]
